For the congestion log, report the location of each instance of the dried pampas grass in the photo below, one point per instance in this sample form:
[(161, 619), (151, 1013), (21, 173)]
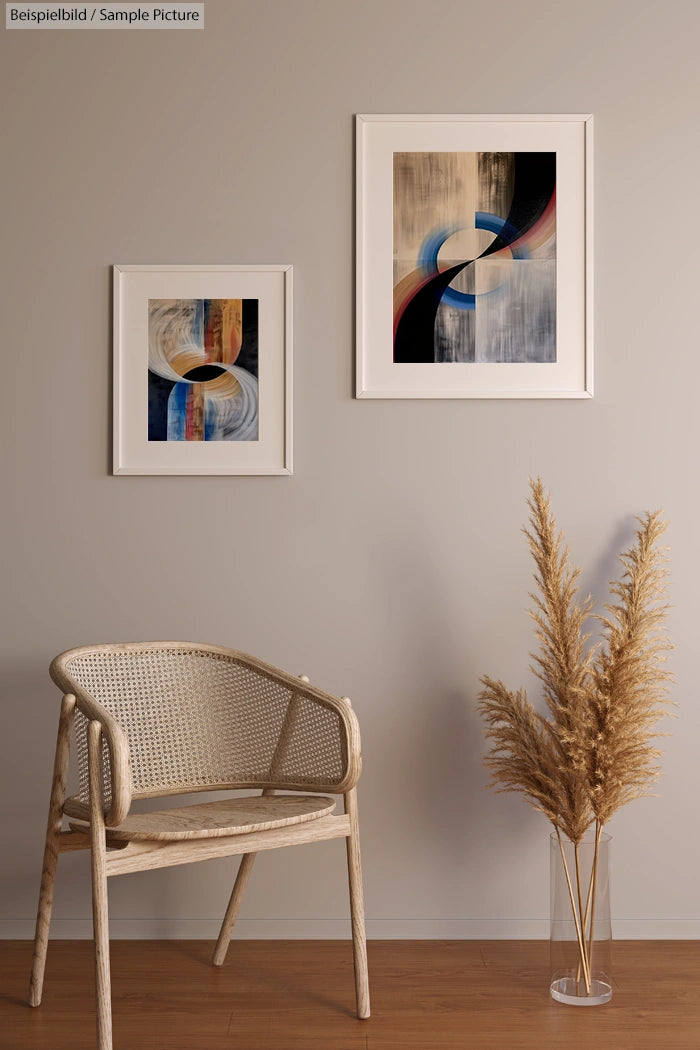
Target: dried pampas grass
[(595, 751)]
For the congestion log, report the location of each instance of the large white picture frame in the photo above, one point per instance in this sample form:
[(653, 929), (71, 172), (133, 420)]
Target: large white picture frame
[(202, 369), (502, 204)]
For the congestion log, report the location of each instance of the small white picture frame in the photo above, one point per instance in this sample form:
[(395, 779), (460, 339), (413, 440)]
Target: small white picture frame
[(202, 369)]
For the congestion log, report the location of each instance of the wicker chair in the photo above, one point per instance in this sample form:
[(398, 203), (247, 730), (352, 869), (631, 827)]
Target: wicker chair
[(164, 718)]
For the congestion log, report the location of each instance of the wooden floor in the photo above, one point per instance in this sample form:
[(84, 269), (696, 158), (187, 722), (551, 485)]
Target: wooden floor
[(284, 995)]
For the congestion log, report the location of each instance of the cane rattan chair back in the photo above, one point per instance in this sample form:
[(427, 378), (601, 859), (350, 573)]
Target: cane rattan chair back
[(166, 718), (201, 718)]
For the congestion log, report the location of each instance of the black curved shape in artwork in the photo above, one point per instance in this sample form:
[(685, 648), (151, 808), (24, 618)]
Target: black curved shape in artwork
[(203, 373), (535, 179), (414, 341)]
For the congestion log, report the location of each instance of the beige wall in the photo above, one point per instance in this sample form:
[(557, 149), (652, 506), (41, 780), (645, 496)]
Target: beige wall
[(391, 565)]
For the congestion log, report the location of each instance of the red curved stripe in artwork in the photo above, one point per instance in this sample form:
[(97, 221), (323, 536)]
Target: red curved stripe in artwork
[(538, 234)]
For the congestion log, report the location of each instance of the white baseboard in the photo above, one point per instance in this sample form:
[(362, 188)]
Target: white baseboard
[(339, 929)]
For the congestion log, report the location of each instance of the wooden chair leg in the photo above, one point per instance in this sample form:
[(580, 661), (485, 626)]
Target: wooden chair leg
[(100, 917), (357, 908), (51, 850), (234, 905), (246, 866)]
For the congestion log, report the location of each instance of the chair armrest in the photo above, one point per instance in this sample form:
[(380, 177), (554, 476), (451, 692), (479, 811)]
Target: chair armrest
[(117, 765), (297, 724)]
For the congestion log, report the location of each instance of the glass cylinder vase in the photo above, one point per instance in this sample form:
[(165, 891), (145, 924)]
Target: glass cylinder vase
[(581, 933)]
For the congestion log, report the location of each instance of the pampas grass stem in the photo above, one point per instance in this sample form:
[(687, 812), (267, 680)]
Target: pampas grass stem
[(579, 932), (594, 883)]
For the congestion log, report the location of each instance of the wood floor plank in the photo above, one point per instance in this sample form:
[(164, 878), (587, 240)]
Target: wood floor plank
[(299, 995)]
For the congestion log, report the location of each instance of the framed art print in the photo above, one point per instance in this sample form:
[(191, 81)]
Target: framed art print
[(474, 256), (202, 369)]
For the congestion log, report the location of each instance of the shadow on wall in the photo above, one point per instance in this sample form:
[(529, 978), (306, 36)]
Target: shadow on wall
[(596, 581)]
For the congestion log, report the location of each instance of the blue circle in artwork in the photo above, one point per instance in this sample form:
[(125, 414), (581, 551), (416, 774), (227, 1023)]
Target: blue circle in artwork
[(430, 249)]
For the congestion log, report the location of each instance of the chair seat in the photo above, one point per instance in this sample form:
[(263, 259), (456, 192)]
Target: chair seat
[(233, 816)]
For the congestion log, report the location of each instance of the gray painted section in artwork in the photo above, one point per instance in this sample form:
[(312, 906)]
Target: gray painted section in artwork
[(516, 322), (496, 182), (455, 329)]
